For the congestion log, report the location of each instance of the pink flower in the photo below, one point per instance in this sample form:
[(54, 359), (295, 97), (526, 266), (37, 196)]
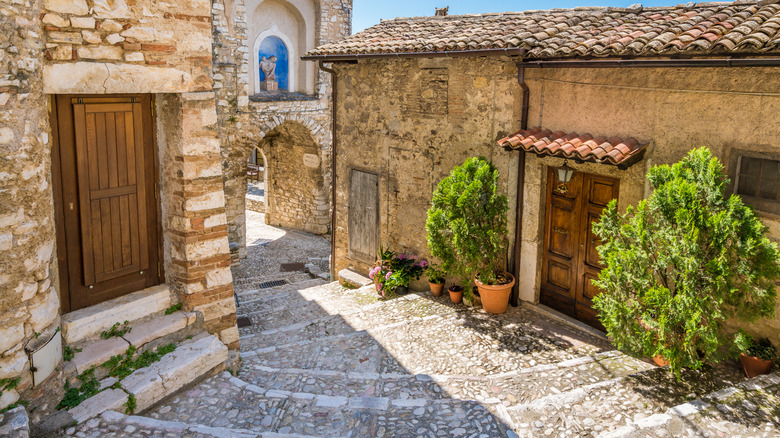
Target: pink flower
[(423, 263), (379, 289), (387, 276), (401, 256), (372, 273)]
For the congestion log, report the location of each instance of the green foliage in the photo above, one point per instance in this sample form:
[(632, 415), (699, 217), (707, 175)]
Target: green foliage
[(130, 404), (74, 396), (14, 405), (744, 343), (395, 270), (121, 366), (466, 223), (9, 383), (174, 308), (681, 263), (435, 274), (68, 353), (116, 331)]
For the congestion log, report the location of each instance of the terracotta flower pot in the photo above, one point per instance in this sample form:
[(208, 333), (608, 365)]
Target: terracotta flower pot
[(660, 360), (495, 299), (754, 366), (456, 296), (436, 289)]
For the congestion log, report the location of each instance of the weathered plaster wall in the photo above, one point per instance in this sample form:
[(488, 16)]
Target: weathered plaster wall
[(412, 121), (677, 109), (245, 122), (29, 302), (127, 47)]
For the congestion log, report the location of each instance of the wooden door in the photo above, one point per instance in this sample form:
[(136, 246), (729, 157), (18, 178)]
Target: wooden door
[(570, 261), (108, 239), (363, 216)]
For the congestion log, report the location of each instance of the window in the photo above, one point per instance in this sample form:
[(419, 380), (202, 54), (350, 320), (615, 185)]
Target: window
[(758, 182)]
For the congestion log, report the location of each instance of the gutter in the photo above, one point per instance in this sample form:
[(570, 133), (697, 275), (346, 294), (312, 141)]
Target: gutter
[(439, 54), (333, 144), (649, 63), (514, 297)]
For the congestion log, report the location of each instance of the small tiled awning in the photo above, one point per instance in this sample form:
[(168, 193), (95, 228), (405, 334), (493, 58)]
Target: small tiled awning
[(585, 147)]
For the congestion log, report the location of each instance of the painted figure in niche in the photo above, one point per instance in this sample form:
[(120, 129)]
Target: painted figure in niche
[(268, 66)]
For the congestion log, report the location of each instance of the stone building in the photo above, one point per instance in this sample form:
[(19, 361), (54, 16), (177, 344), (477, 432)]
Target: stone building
[(612, 90), (112, 206), (288, 128)]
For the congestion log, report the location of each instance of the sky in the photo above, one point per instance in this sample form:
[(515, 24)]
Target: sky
[(368, 12)]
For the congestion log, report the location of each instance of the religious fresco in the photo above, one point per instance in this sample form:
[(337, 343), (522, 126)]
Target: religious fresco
[(273, 48)]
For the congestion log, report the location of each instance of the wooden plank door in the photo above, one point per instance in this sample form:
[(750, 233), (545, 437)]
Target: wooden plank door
[(109, 210), (570, 260), (363, 221)]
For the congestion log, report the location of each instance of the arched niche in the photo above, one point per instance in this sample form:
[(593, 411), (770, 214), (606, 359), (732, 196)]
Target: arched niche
[(274, 43), (293, 22)]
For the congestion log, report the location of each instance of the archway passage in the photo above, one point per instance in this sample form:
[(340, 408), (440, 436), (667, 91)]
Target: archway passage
[(274, 47), (294, 190)]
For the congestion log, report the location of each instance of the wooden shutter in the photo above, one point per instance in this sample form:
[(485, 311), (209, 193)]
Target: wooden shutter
[(112, 189), (363, 216)]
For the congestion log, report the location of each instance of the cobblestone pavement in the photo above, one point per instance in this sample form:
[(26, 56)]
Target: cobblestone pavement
[(320, 360)]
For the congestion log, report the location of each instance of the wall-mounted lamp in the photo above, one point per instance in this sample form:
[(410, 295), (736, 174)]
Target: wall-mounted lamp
[(565, 172)]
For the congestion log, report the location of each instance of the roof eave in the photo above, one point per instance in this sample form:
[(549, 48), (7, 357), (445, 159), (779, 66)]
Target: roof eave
[(437, 54)]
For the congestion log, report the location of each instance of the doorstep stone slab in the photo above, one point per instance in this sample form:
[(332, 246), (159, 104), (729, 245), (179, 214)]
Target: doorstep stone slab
[(92, 320), (158, 327), (108, 400), (15, 423), (95, 353), (175, 370), (354, 277)]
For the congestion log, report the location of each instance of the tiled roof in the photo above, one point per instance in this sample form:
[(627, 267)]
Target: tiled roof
[(585, 147), (692, 29)]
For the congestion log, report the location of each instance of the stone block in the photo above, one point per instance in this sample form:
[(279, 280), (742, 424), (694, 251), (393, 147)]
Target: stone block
[(354, 277), (11, 336), (82, 22), (326, 401), (100, 52), (91, 37), (229, 335), (66, 37), (110, 26), (209, 201), (218, 277), (97, 352), (7, 398), (55, 20), (157, 328), (108, 400), (101, 78), (15, 423), (44, 310), (134, 57), (12, 365), (75, 7), (215, 221), (206, 249), (92, 320)]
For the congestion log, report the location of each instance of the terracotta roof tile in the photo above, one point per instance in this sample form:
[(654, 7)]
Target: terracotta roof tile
[(585, 147), (739, 28)]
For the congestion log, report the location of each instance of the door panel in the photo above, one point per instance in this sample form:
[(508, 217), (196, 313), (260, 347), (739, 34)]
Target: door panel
[(363, 216), (570, 259), (109, 214)]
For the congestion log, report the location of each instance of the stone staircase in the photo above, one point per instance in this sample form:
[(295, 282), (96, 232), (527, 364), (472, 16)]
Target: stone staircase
[(322, 360)]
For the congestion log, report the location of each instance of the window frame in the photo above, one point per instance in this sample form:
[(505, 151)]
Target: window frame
[(760, 204)]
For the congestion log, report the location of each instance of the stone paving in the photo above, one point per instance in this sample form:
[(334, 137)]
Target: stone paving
[(321, 360)]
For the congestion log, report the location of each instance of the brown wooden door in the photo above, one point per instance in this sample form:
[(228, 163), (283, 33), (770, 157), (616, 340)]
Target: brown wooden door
[(570, 261), (108, 208)]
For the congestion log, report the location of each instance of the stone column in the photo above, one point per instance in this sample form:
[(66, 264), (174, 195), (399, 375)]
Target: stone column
[(29, 302), (197, 258)]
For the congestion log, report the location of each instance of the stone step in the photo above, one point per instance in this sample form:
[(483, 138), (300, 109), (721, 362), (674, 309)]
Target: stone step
[(254, 294), (189, 362), (249, 285), (610, 405), (166, 328), (751, 408), (89, 322), (223, 401)]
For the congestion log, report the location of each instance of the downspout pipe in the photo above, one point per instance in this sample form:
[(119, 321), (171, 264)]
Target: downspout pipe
[(333, 146), (526, 96)]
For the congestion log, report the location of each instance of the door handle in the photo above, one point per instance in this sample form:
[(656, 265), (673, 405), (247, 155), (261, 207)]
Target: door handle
[(561, 230)]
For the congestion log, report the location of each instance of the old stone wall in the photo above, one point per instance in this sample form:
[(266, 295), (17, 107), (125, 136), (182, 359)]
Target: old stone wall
[(29, 302), (411, 121), (291, 200), (727, 110)]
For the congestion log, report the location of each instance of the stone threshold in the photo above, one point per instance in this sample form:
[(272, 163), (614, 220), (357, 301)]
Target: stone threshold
[(560, 317), (89, 322)]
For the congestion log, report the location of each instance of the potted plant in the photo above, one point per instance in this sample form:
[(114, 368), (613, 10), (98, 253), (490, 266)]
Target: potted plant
[(681, 263), (466, 230), (435, 279), (756, 357), (393, 272), (456, 293)]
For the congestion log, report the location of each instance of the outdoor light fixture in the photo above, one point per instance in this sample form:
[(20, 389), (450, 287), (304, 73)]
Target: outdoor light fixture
[(565, 172)]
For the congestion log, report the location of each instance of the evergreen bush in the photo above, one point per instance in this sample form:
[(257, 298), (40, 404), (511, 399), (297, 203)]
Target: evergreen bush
[(466, 225), (683, 262)]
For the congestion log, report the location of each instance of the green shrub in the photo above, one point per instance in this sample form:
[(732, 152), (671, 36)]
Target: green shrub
[(466, 222), (762, 349), (681, 263)]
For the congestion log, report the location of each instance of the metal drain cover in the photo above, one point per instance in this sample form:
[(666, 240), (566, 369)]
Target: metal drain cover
[(274, 283), (243, 321), (291, 267)]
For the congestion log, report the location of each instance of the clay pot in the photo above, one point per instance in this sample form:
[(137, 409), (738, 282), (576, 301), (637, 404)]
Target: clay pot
[(754, 366), (495, 299), (436, 289), (456, 295), (660, 360)]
